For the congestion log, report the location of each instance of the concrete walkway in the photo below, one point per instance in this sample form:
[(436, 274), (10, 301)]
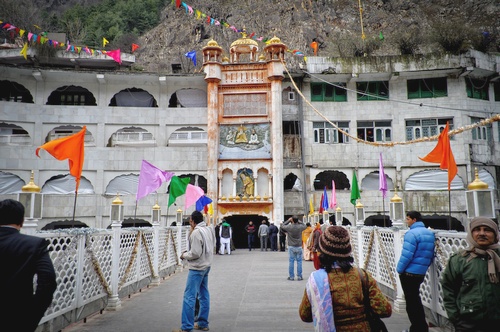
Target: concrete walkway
[(249, 292)]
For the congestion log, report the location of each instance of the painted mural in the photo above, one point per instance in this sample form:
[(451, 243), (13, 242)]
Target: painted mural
[(245, 141)]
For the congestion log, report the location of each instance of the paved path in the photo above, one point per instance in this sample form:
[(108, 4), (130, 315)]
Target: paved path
[(249, 292)]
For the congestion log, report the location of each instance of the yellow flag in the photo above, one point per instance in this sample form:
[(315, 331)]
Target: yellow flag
[(210, 209), (24, 51), (104, 42), (311, 207)]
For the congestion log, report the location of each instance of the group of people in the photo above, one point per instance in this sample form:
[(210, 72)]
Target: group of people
[(265, 234), (333, 297)]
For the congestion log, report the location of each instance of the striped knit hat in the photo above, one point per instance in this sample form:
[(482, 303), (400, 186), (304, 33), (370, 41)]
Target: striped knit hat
[(336, 242)]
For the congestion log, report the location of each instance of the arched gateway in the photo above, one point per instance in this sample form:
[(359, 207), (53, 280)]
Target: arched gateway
[(238, 223)]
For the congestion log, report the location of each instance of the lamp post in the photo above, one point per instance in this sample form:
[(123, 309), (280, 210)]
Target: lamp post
[(156, 214), (116, 213), (479, 199), (397, 210), (32, 201), (360, 213), (339, 218), (178, 217), (326, 217)]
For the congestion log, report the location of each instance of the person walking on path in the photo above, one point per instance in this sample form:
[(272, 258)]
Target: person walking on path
[(21, 258), (217, 238), (333, 299), (305, 236), (416, 257), (250, 229), (314, 245), (263, 234), (273, 236), (225, 233), (199, 259), (293, 228), (471, 280)]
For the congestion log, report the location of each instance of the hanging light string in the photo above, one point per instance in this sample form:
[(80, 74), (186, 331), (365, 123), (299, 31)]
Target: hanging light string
[(453, 132)]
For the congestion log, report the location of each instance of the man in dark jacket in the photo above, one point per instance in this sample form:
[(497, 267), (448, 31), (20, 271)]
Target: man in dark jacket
[(21, 258), (273, 236), (416, 257), (250, 229), (471, 280)]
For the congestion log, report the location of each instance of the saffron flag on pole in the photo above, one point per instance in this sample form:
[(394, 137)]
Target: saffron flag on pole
[(355, 195), (202, 203), (311, 207), (333, 201), (324, 202), (150, 179), (134, 47), (382, 181), (443, 155), (71, 148), (177, 188), (321, 204), (193, 193)]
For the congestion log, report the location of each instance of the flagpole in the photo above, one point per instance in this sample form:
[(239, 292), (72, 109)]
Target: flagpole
[(449, 209), (74, 207), (135, 212), (383, 208)]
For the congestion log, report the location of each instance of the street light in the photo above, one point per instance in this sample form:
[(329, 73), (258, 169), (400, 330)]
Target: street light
[(479, 199), (179, 217), (116, 210), (397, 210), (360, 213), (31, 198), (338, 216), (155, 214)]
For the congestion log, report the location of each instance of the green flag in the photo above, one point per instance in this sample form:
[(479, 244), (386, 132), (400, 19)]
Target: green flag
[(354, 189), (177, 188)]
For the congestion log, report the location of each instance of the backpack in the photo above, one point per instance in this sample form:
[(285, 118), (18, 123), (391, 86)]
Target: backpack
[(225, 232)]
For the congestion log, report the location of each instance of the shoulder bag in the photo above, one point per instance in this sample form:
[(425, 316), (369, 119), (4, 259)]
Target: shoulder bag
[(376, 324)]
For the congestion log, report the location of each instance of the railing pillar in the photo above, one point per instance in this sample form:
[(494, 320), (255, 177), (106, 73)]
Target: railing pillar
[(113, 300), (399, 302), (155, 278)]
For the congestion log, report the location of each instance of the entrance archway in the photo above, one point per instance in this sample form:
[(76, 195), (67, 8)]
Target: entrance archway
[(238, 223)]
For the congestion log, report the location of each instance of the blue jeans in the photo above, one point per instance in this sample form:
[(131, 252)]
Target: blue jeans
[(295, 254), (197, 283), (250, 240)]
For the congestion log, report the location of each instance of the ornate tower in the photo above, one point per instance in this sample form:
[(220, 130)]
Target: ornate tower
[(245, 153)]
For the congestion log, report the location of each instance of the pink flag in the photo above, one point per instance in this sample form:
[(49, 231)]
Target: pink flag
[(193, 193), (116, 55), (333, 201), (382, 181), (150, 179)]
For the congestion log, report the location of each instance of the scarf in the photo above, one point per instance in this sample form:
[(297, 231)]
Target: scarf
[(318, 292), (493, 261)]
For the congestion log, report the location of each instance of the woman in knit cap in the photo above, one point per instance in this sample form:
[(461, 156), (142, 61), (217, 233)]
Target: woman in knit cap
[(333, 299), (471, 280)]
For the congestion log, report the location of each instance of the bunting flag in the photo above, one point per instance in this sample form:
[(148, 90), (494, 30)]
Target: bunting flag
[(24, 51), (104, 42), (191, 55), (382, 181), (193, 194), (134, 47), (70, 147), (321, 204), (177, 188), (177, 3), (333, 201), (150, 179), (443, 155), (324, 201), (311, 207), (355, 195), (381, 36), (115, 54), (202, 203)]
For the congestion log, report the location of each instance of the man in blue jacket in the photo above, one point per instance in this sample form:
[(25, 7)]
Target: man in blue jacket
[(416, 257)]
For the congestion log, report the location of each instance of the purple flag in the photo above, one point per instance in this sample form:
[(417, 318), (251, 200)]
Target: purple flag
[(193, 193), (324, 204), (382, 181), (150, 179)]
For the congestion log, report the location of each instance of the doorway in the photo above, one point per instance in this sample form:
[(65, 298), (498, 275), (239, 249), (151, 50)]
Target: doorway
[(238, 223)]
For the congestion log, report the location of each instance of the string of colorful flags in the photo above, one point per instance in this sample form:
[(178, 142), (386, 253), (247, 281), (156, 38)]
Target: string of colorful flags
[(41, 38)]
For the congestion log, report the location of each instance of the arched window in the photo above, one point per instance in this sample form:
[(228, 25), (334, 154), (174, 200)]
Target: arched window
[(12, 91), (324, 179), (11, 134), (188, 136), (133, 97), (292, 183), (188, 98), (123, 185), (432, 180), (66, 184), (64, 131), (71, 95), (371, 182), (10, 183), (132, 136)]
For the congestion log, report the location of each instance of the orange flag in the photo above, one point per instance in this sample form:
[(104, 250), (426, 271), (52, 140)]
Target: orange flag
[(71, 148), (314, 45), (134, 47), (443, 155)]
